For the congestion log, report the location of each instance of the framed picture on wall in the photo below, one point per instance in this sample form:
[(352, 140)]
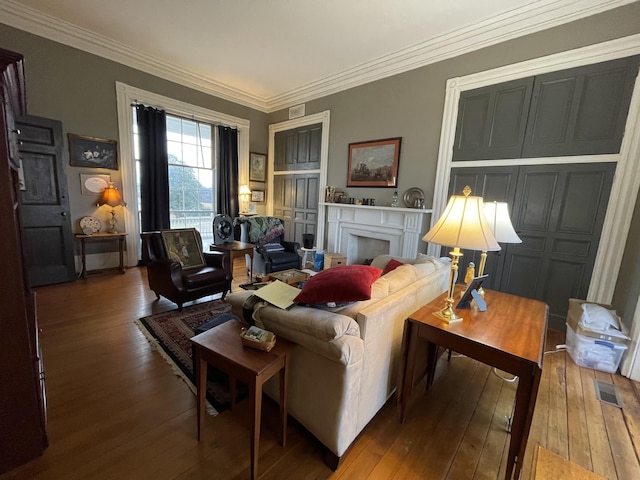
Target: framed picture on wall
[(93, 184), (92, 152), (257, 167), (257, 196), (374, 163)]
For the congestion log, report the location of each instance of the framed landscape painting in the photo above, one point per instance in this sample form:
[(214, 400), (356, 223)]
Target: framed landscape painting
[(374, 163)]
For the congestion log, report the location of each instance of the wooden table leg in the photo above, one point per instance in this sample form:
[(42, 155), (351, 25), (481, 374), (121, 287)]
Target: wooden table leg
[(284, 376), (432, 362), (83, 253), (201, 388), (232, 391), (121, 246), (521, 423), (255, 395), (408, 367)]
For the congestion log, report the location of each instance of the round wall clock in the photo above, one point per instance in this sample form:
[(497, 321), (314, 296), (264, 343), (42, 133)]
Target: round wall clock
[(95, 184), (90, 225)]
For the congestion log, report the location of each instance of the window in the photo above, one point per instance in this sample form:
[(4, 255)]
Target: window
[(191, 174)]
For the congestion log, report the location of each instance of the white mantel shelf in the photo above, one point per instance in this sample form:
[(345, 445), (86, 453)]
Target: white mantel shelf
[(397, 229), (378, 207)]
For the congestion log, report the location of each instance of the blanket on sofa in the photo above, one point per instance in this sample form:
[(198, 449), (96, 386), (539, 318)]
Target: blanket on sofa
[(264, 229)]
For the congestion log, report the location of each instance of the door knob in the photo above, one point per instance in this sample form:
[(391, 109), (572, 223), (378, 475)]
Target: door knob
[(64, 214)]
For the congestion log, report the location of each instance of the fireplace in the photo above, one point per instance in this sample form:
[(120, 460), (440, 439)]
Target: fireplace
[(362, 232)]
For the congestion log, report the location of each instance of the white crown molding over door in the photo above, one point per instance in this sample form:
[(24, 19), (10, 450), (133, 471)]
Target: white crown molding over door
[(324, 118), (626, 182), (126, 96)]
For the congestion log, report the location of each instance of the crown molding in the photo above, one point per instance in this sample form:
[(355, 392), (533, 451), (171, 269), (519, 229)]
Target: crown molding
[(33, 21), (540, 15)]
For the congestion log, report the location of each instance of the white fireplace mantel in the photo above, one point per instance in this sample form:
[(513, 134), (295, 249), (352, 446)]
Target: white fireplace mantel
[(399, 228)]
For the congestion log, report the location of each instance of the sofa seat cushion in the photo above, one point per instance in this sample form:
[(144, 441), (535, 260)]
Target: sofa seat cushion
[(348, 283), (321, 324), (202, 276)]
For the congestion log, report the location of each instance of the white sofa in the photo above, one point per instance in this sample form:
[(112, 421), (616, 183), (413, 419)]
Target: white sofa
[(345, 363)]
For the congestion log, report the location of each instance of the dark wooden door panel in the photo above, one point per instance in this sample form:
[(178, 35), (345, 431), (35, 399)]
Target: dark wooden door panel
[(535, 196), (492, 121), (46, 220), (559, 211), (580, 111)]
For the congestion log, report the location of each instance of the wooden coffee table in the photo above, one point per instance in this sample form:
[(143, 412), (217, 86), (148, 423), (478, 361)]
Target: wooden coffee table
[(222, 348), (510, 336)]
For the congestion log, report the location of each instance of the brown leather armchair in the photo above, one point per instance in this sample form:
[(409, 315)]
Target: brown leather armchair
[(169, 279)]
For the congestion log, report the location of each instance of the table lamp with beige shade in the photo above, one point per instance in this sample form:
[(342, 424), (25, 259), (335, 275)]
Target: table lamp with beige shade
[(462, 225), (497, 214)]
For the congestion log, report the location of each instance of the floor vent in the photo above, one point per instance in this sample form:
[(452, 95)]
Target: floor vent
[(608, 393)]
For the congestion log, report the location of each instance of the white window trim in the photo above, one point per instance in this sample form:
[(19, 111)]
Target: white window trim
[(127, 95)]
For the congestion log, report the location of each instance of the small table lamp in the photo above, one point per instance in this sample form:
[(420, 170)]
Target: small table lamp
[(244, 195), (497, 214), (111, 196), (462, 225)]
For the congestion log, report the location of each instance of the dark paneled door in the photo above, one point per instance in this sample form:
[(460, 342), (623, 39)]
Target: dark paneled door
[(296, 203), (45, 202), (295, 194), (558, 212)]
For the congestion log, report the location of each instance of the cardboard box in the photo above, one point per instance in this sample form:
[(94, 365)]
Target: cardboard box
[(290, 277), (573, 318), (333, 260)]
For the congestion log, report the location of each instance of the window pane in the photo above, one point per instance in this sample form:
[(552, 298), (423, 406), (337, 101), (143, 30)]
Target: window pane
[(191, 173)]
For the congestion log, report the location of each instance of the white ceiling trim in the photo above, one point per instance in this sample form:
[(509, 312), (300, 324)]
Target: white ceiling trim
[(540, 15)]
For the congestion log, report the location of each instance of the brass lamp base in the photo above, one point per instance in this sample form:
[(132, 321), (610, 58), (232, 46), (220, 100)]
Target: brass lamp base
[(448, 315)]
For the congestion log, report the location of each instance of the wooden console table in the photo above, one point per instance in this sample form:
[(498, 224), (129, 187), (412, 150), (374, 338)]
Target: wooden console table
[(98, 237), (510, 336)]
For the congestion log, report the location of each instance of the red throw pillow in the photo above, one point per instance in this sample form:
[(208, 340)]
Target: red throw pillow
[(392, 265), (347, 283)]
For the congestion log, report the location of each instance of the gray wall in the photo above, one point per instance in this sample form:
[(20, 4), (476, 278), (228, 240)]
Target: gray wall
[(78, 89)]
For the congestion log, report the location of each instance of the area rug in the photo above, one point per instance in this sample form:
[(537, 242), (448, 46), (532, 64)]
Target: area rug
[(170, 332)]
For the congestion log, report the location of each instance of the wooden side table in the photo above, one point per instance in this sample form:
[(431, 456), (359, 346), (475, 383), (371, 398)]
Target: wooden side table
[(510, 336), (236, 249), (222, 348), (101, 237)]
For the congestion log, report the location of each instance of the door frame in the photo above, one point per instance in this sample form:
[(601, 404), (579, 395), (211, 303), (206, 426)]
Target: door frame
[(626, 181), (324, 119)]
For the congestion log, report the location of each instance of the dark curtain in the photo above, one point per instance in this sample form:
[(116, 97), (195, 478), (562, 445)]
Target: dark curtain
[(154, 170), (228, 171)]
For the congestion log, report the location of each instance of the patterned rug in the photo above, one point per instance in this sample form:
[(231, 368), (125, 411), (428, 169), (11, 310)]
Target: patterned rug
[(170, 332)]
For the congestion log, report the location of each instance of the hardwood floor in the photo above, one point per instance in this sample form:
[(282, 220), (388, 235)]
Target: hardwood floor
[(116, 410)]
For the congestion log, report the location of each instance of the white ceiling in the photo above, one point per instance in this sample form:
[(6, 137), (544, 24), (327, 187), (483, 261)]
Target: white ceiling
[(270, 54)]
